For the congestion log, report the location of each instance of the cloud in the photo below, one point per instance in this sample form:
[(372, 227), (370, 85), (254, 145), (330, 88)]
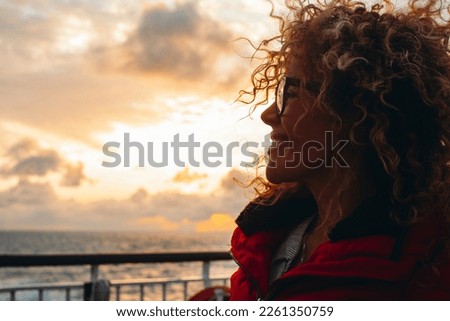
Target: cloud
[(35, 165), (234, 180), (139, 196), (181, 42), (74, 175), (218, 222), (186, 176), (38, 165), (47, 80), (66, 71), (75, 104), (26, 159), (30, 205), (37, 35), (26, 193), (160, 223)]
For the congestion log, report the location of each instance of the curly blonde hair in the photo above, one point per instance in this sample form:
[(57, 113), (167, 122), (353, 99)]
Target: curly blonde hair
[(385, 79)]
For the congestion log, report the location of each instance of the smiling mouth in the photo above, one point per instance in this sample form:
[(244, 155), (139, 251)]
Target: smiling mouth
[(281, 145)]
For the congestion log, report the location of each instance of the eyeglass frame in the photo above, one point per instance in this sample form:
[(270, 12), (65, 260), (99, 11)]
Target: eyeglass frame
[(280, 93), (280, 97)]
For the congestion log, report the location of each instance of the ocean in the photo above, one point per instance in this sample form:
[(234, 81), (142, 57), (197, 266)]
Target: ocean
[(15, 242)]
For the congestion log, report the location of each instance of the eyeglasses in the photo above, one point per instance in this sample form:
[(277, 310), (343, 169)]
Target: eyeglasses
[(285, 91), (288, 88)]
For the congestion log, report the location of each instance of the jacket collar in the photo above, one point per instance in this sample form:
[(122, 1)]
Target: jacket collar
[(371, 217)]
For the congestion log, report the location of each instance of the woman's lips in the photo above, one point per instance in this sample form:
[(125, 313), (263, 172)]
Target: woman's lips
[(281, 146)]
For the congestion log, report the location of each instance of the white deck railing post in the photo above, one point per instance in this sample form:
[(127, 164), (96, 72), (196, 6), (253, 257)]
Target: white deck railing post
[(205, 274), (94, 273)]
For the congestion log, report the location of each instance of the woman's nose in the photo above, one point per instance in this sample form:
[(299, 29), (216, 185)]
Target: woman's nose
[(270, 116)]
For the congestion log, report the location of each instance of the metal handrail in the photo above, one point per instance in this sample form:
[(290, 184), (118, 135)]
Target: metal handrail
[(94, 260), (39, 286), (99, 259)]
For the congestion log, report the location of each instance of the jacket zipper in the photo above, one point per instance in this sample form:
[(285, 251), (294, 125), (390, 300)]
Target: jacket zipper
[(250, 277)]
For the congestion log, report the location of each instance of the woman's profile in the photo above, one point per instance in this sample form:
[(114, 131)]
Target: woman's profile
[(355, 200)]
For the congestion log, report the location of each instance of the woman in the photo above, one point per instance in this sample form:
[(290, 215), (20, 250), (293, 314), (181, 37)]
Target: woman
[(357, 200)]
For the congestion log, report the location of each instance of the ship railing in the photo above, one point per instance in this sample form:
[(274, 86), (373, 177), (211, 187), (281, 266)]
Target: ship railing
[(114, 286)]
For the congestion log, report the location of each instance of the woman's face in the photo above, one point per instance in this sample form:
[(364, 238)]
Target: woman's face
[(301, 140)]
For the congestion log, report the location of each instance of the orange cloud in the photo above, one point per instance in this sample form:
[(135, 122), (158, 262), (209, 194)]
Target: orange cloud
[(217, 222), (158, 223), (186, 176)]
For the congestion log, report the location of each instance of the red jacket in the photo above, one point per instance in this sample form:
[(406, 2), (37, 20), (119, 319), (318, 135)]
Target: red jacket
[(368, 257)]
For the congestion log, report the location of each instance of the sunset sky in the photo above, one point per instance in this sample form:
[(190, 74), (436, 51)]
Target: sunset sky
[(76, 75)]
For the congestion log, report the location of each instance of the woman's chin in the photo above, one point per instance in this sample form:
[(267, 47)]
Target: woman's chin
[(278, 175), (274, 176)]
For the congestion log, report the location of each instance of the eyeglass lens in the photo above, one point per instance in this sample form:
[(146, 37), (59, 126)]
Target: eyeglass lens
[(280, 95)]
